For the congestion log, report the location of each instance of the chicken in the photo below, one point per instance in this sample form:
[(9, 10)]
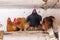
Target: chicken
[(45, 24), (22, 23), (48, 22), (19, 24), (26, 26), (10, 25)]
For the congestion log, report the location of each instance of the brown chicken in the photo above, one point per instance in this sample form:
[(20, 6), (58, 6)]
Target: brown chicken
[(46, 24), (26, 26), (10, 25), (22, 23)]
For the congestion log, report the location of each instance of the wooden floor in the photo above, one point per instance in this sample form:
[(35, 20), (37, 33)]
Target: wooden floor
[(27, 35)]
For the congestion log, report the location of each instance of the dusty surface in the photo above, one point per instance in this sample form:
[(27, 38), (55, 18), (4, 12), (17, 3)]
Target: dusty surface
[(26, 35)]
